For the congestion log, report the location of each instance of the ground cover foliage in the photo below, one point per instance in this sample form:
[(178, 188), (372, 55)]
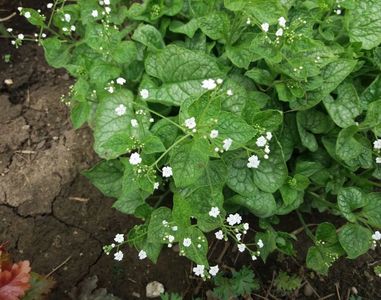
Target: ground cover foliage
[(206, 110)]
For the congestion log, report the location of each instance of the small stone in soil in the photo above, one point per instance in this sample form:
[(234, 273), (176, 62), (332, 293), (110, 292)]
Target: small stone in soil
[(308, 290), (154, 289)]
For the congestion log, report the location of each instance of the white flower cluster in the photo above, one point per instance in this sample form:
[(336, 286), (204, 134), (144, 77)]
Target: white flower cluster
[(376, 237), (281, 22), (200, 271), (210, 84), (214, 212), (377, 147)]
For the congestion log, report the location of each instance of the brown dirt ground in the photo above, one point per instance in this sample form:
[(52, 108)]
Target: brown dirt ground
[(49, 212)]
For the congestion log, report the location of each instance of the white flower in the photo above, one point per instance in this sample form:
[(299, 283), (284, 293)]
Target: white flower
[(49, 5), (253, 162), (214, 212), (238, 236), (190, 123), (43, 35), (27, 15), (209, 84), (119, 238), (142, 254), (67, 17), (246, 226), (167, 172), (261, 141), (65, 29), (248, 21), (214, 270), (234, 219), (135, 158), (118, 255), (199, 270), (152, 120), (94, 13), (254, 257), (144, 93), (338, 11), (187, 242), (134, 123), (107, 10), (260, 243), (279, 32), (376, 236), (9, 29), (155, 185), (378, 160), (110, 89), (165, 223), (229, 92), (269, 135), (219, 235), (241, 247), (171, 238), (267, 149), (227, 144), (120, 81), (265, 27), (20, 36), (377, 144), (174, 228), (214, 134), (282, 22), (219, 81), (106, 2), (72, 28), (265, 156), (120, 110)]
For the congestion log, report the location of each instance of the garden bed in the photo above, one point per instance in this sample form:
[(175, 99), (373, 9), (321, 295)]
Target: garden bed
[(51, 215)]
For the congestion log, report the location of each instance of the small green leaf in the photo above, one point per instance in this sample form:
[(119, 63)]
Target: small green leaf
[(149, 36), (355, 239), (372, 210), (349, 200)]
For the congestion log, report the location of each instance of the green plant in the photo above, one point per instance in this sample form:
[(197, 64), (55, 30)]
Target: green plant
[(242, 283), (213, 107), (285, 283), (171, 296)]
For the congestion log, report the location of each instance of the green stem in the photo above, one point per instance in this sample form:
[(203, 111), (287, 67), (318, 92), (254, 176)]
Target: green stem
[(307, 230), (160, 115), (324, 201), (170, 148)]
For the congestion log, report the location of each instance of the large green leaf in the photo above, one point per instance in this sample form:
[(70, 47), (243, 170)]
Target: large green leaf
[(261, 10), (114, 135), (271, 173), (188, 161), (363, 23), (372, 209), (107, 177), (259, 203), (181, 72), (215, 25), (346, 107)]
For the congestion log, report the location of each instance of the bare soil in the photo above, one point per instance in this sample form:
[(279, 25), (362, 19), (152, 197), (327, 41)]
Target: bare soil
[(50, 214)]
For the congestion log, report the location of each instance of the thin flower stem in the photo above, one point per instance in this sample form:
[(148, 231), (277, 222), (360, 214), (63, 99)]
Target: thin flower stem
[(322, 200), (308, 231), (170, 148), (161, 116)]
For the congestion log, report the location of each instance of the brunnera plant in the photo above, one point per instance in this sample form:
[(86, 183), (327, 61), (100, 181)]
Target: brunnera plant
[(205, 108)]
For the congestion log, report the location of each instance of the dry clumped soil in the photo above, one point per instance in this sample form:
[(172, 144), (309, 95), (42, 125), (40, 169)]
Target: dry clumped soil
[(49, 212)]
